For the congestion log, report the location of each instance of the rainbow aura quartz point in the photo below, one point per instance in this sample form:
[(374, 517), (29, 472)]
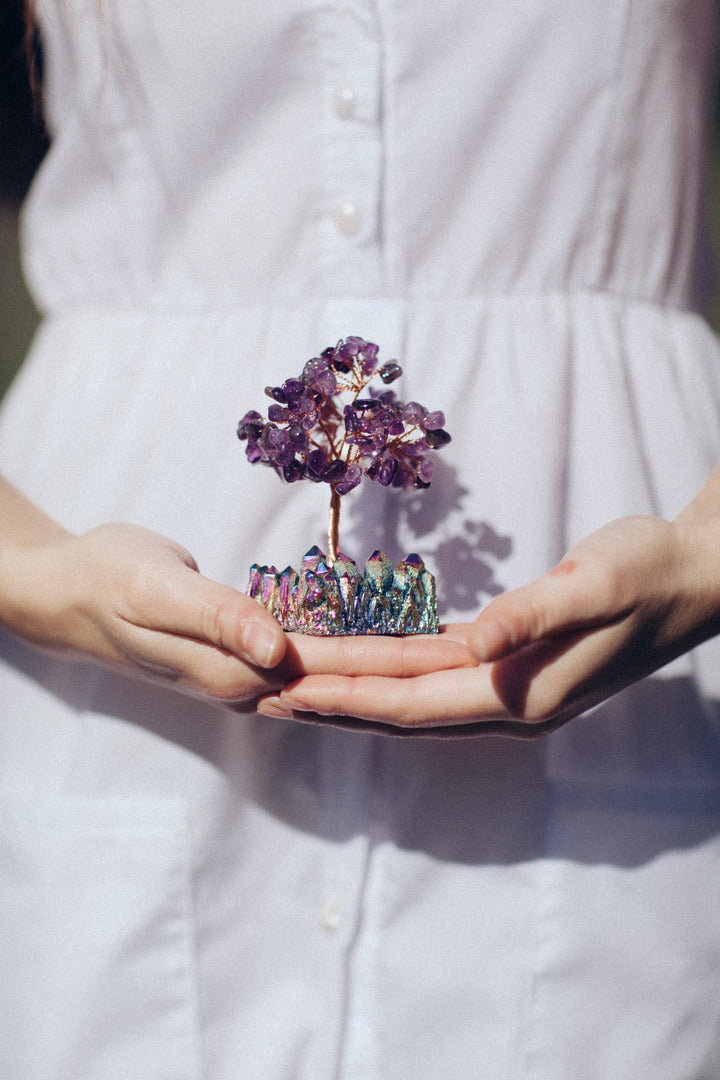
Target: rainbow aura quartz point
[(324, 600)]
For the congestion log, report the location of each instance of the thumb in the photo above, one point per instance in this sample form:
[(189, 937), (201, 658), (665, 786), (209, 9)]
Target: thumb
[(553, 604), (176, 598), (262, 639), (235, 622)]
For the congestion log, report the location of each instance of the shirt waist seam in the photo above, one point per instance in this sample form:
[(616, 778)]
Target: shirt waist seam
[(189, 308)]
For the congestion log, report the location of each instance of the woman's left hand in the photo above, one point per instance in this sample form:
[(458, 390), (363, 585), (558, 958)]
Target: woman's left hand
[(622, 603)]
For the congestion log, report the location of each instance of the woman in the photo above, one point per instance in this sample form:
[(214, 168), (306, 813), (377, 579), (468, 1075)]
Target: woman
[(510, 200)]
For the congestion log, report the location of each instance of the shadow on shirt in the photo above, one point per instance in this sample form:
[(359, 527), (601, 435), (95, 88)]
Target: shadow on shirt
[(637, 777)]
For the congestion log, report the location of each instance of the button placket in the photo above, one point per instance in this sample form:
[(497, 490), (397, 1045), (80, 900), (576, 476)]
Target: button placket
[(353, 148)]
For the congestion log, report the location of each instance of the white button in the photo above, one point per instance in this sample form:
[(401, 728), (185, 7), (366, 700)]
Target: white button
[(347, 217), (344, 101), (330, 916)]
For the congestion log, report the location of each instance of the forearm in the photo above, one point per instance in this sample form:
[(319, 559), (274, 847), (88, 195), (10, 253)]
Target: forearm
[(705, 506), (22, 524), (28, 540), (123, 595)]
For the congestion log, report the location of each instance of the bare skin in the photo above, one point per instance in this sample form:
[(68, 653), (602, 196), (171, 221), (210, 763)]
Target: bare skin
[(130, 598), (622, 603)]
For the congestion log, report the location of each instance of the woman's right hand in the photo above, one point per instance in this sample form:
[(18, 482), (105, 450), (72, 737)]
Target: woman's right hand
[(126, 596)]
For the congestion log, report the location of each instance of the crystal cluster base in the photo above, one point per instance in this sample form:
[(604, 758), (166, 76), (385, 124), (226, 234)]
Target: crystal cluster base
[(324, 600)]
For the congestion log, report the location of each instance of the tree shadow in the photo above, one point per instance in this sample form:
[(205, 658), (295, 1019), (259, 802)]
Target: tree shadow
[(463, 551)]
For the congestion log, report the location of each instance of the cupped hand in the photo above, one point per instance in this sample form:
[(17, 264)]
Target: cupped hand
[(129, 597), (622, 603)]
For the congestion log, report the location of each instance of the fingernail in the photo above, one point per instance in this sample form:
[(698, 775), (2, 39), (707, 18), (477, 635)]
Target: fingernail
[(274, 708), (260, 643), (290, 701), (299, 706)]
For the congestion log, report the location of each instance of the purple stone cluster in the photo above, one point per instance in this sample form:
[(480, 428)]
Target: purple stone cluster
[(326, 599), (327, 426), (309, 433)]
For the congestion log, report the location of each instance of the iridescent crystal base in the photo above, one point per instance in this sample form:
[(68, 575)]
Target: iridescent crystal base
[(326, 600)]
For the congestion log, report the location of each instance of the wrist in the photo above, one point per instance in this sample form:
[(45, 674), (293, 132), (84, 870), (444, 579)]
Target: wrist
[(705, 506), (697, 604), (35, 594)]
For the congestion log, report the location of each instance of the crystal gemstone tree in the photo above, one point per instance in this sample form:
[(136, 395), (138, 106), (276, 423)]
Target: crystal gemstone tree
[(329, 426)]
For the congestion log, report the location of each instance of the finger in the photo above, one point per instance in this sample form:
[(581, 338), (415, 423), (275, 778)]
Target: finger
[(439, 699), (195, 666), (191, 605), (173, 597), (271, 706), (564, 674), (523, 695), (568, 598), (374, 655), (208, 668)]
